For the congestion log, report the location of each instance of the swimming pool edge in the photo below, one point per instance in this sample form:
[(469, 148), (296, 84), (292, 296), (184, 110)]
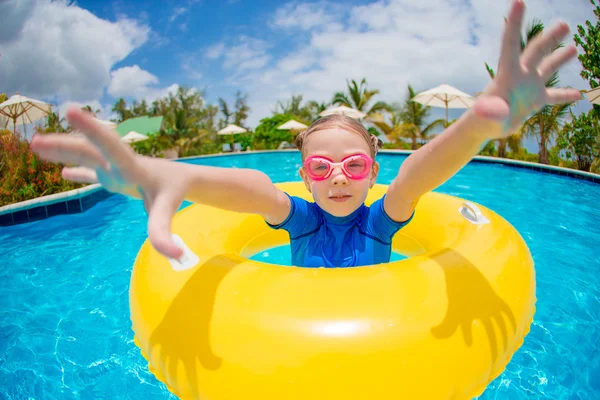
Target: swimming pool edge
[(79, 200)]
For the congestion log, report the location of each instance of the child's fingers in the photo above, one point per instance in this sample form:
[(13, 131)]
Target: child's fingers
[(60, 148), (543, 44), (107, 141), (556, 60), (562, 95), (163, 208), (80, 174), (511, 42), (492, 108)]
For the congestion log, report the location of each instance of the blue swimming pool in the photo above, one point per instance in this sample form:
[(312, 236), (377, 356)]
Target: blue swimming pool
[(64, 314)]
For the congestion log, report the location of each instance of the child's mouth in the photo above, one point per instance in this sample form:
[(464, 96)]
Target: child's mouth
[(340, 198)]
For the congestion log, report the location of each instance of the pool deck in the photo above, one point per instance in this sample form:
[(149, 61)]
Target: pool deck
[(79, 200)]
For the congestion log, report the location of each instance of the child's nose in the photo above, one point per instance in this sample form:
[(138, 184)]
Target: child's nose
[(338, 177)]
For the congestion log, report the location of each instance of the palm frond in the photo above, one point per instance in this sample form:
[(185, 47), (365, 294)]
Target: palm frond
[(380, 106), (490, 71), (431, 127), (341, 99), (553, 81)]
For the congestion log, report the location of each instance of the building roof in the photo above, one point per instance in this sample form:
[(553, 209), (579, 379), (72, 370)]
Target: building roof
[(144, 125)]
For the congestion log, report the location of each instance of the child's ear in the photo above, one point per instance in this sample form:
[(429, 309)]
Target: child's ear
[(305, 179), (374, 173)]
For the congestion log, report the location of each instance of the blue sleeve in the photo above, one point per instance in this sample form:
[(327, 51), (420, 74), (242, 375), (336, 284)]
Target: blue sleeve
[(380, 225), (302, 219)]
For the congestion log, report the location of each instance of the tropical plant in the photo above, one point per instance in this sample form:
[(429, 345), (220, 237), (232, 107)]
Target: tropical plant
[(545, 126), (54, 123), (241, 109), (359, 97), (227, 113), (590, 45), (294, 108), (23, 175), (316, 108), (408, 121), (123, 112), (580, 139), (266, 134)]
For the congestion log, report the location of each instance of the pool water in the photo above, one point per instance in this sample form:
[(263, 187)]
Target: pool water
[(65, 331)]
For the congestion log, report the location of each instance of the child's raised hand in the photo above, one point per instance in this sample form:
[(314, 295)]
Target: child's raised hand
[(519, 86), (102, 157)]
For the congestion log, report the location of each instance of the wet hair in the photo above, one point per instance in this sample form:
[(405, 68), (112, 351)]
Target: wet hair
[(343, 122)]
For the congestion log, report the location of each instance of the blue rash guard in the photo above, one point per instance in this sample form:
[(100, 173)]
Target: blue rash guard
[(319, 239)]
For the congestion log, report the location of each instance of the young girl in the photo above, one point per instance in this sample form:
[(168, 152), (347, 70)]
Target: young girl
[(338, 165)]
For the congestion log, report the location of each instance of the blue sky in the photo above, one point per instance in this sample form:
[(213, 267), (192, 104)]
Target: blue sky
[(92, 52)]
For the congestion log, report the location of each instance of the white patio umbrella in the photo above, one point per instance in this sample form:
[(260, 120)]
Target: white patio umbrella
[(345, 110), (23, 110), (110, 124), (293, 125), (133, 136), (593, 95), (231, 129), (445, 96)]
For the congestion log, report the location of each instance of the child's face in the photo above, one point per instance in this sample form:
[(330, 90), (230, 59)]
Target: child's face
[(338, 195)]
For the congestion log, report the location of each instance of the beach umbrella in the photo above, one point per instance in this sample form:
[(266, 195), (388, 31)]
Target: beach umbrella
[(133, 137), (345, 110), (231, 129), (444, 96), (293, 125), (593, 95), (23, 110)]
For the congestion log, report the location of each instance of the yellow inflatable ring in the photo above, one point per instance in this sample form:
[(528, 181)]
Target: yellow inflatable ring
[(440, 324)]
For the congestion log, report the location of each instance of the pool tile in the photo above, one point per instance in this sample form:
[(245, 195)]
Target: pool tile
[(91, 200), (6, 219), (20, 217), (37, 213), (73, 206), (57, 209)]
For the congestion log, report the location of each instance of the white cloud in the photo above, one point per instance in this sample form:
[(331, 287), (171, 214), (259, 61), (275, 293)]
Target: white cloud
[(246, 54), (62, 50), (177, 12), (102, 111), (215, 51), (307, 16), (130, 81), (157, 93), (137, 83), (192, 71), (14, 14), (392, 44)]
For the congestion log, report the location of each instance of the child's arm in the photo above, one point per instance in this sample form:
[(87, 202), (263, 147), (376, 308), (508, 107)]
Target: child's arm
[(162, 184), (518, 89)]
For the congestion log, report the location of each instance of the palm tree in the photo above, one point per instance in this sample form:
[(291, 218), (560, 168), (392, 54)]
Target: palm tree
[(227, 114), (394, 129), (546, 118), (54, 123), (316, 108), (545, 126), (359, 97), (294, 107), (408, 121), (121, 109)]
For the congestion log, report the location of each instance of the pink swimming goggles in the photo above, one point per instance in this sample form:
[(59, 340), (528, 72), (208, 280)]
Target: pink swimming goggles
[(356, 167)]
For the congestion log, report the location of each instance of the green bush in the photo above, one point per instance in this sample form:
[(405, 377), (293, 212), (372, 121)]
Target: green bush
[(24, 176), (580, 139), (267, 136)]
